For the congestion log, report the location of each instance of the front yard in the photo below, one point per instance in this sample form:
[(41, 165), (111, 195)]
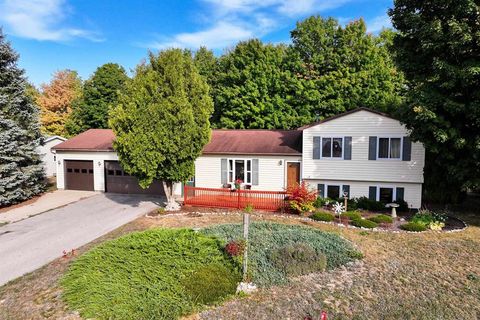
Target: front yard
[(429, 275)]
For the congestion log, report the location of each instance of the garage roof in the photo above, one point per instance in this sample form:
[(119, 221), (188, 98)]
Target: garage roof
[(249, 142)]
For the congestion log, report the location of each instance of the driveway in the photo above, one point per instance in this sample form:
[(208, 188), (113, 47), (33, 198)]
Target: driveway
[(31, 243)]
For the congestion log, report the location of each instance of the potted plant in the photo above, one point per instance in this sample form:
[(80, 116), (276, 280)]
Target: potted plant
[(238, 184)]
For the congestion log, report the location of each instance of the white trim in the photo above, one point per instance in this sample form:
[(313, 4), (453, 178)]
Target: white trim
[(331, 148), (335, 185), (394, 191), (244, 172), (389, 143)]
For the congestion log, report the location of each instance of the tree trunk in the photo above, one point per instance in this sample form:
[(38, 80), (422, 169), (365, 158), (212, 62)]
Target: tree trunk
[(171, 204)]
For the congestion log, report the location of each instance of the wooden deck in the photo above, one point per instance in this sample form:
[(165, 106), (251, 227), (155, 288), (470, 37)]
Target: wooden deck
[(237, 199)]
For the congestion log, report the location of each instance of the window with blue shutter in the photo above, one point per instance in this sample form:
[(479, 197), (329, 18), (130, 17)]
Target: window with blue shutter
[(407, 149), (347, 154), (321, 190), (316, 147), (372, 148), (372, 193)]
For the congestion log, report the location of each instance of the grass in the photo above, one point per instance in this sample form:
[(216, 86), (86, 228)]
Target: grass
[(265, 239), (143, 276)]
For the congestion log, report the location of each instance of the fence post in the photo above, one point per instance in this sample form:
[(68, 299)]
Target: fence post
[(246, 223), (184, 194)]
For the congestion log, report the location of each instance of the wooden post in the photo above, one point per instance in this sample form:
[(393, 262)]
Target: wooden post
[(246, 223)]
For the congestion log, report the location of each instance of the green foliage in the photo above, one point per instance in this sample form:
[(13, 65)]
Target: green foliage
[(371, 205), (321, 202), (254, 89), (322, 216), (352, 215), (211, 283), (343, 68), (100, 94), (248, 208), (414, 226), (381, 218), (21, 170), (146, 275), (162, 120), (265, 238), (207, 65), (298, 259), (437, 48), (364, 223), (430, 219)]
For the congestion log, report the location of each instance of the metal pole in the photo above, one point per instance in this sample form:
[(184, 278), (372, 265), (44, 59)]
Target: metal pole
[(246, 222)]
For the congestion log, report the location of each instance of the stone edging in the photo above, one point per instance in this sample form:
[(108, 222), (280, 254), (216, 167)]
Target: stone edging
[(308, 220)]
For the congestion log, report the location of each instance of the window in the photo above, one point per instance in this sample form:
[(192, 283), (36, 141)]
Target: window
[(118, 172), (90, 171), (69, 170), (332, 147), (84, 170), (389, 148), (76, 170), (240, 169), (385, 195), (110, 172), (333, 192)]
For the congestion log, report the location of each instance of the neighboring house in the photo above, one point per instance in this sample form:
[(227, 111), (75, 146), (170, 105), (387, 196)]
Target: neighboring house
[(361, 152), (48, 157)]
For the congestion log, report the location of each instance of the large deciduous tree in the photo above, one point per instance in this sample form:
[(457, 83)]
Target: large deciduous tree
[(343, 68), (100, 94), (56, 101), (21, 171), (162, 120), (254, 89), (438, 49)]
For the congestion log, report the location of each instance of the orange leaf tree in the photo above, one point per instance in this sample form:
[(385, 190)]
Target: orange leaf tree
[(301, 198)]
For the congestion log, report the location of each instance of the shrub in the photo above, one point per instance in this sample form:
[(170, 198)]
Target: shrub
[(381, 218), (403, 205), (235, 248), (322, 216), (265, 238), (352, 215), (414, 226), (430, 219), (140, 275), (363, 223), (298, 259), (320, 202), (371, 205), (211, 283), (301, 199), (248, 208)]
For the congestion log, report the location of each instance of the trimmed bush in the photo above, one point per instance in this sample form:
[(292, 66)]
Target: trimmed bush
[(298, 259), (414, 226), (381, 218), (143, 275), (371, 205), (322, 216), (363, 223), (211, 283), (265, 238), (352, 215)]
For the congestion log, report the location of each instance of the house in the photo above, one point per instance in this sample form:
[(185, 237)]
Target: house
[(361, 152), (47, 156)]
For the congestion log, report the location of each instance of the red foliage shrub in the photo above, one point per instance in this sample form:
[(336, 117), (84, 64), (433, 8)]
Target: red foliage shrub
[(301, 198), (235, 248)]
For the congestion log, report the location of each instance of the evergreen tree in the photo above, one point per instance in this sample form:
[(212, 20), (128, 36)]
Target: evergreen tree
[(162, 120), (100, 94), (21, 171), (438, 49), (342, 68), (207, 65), (254, 89)]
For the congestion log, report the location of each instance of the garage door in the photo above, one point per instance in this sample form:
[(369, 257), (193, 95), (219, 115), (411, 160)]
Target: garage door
[(118, 181), (78, 175)]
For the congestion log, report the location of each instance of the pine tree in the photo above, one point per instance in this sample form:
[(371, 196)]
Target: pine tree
[(21, 171)]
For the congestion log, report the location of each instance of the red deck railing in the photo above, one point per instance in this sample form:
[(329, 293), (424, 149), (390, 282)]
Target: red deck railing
[(238, 199)]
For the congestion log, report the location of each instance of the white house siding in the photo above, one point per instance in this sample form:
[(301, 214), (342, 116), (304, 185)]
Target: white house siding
[(271, 171), (413, 191), (48, 158), (360, 125)]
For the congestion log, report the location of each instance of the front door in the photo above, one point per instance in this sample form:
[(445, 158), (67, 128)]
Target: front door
[(293, 173)]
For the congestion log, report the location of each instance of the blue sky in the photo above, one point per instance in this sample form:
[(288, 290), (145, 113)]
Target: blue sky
[(81, 35)]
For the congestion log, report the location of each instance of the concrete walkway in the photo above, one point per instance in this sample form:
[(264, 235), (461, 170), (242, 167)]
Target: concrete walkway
[(31, 243), (48, 201)]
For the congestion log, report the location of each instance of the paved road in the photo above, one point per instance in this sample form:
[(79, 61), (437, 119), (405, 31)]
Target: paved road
[(31, 243)]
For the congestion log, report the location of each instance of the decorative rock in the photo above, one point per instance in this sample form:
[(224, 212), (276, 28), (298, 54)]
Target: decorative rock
[(246, 287)]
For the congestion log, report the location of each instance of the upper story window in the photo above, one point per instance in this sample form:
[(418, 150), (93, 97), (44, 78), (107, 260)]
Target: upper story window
[(332, 147), (389, 148)]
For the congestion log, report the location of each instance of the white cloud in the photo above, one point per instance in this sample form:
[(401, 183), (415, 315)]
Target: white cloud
[(378, 23), (41, 20)]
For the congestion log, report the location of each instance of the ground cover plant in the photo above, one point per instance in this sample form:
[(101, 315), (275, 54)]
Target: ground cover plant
[(155, 274), (270, 245)]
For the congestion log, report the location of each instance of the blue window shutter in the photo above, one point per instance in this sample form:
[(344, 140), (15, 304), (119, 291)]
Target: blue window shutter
[(347, 153), (372, 148), (346, 188), (224, 171), (321, 190), (400, 194), (316, 147), (407, 149), (372, 193), (255, 172)]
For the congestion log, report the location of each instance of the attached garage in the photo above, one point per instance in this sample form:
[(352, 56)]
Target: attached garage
[(79, 175), (118, 181)]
